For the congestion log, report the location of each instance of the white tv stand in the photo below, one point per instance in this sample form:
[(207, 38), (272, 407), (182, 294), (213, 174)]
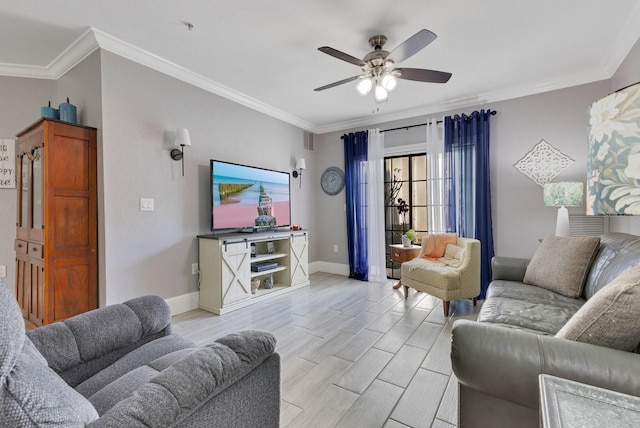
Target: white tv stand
[(226, 274)]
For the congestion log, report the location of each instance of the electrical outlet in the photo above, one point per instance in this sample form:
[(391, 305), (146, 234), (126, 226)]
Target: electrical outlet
[(335, 248), (194, 269), (3, 271)]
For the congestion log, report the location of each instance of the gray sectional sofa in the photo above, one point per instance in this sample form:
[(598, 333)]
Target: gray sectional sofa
[(532, 324), (120, 366)]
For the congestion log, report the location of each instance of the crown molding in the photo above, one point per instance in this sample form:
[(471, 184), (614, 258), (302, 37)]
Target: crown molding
[(148, 59), (77, 51), (74, 54), (28, 71), (628, 37), (472, 101), (92, 39)]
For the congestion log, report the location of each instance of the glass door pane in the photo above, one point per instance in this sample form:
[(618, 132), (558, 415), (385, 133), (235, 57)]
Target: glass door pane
[(24, 197), (37, 189)]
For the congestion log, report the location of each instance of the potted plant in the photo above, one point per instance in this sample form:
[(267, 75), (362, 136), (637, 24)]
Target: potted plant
[(407, 235)]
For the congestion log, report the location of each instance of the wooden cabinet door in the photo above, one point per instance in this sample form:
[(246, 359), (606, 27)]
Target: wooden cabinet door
[(23, 287), (299, 259), (235, 272), (37, 298)]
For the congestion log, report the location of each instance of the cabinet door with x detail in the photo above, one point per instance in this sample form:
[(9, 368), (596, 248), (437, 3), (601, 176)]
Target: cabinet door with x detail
[(299, 259), (236, 282)]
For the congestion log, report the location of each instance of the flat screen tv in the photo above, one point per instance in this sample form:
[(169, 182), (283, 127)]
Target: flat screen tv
[(248, 198)]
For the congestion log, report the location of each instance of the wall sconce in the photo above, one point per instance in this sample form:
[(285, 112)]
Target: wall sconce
[(300, 165), (182, 139), (564, 194)]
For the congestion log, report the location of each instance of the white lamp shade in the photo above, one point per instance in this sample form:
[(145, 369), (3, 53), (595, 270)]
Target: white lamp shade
[(182, 137), (301, 164), (563, 194)]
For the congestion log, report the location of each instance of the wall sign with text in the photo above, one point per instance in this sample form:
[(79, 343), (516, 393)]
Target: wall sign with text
[(7, 164)]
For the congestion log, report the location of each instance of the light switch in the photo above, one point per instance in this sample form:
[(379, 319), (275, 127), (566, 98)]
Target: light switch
[(146, 204), (3, 271)]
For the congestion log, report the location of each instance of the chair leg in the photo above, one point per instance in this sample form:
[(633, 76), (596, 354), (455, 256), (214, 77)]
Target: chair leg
[(475, 300), (445, 306), (406, 291)]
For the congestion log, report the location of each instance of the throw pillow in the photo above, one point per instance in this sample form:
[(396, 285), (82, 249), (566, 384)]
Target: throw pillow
[(453, 252), (610, 317), (435, 244), (561, 264)]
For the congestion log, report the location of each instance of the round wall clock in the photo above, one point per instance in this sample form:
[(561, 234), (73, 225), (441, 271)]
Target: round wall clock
[(332, 180)]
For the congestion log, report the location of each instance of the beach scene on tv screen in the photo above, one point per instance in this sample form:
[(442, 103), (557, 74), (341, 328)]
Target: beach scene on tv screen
[(246, 197)]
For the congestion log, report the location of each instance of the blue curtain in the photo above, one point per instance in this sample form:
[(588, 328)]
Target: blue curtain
[(355, 161), (466, 142)]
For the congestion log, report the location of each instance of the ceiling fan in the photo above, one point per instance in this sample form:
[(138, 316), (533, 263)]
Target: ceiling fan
[(377, 66)]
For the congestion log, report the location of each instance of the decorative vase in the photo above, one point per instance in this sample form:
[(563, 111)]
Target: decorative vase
[(406, 242), (267, 282), (255, 283)]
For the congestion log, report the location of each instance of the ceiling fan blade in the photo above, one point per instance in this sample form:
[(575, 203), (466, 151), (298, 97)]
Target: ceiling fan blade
[(412, 45), (338, 83), (343, 56), (422, 75)]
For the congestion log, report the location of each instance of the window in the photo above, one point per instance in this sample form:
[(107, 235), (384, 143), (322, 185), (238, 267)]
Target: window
[(405, 177)]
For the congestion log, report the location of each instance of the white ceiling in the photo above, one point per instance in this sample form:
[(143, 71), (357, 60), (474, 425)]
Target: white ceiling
[(264, 54)]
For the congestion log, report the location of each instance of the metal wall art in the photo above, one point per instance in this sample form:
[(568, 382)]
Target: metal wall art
[(543, 163)]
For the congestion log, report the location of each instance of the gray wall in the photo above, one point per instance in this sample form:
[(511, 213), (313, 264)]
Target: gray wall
[(19, 108), (152, 252), (519, 216)]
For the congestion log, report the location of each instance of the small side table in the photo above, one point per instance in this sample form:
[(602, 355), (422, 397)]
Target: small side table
[(569, 404), (401, 254)]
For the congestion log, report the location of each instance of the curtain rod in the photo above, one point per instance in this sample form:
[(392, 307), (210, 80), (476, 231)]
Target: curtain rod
[(493, 113)]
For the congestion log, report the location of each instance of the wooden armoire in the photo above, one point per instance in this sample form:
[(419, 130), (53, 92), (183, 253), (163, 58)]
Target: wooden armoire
[(57, 221)]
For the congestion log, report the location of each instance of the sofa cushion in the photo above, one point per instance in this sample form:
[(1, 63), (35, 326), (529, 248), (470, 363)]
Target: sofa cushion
[(618, 252), (527, 307), (136, 358), (89, 343), (561, 264), (177, 391), (610, 318), (124, 386), (428, 272)]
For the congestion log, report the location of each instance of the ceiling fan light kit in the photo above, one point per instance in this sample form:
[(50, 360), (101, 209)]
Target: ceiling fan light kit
[(364, 86), (381, 94), (377, 71)]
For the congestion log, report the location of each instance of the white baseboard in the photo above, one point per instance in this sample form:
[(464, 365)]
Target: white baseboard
[(328, 267), (183, 303), (190, 301)]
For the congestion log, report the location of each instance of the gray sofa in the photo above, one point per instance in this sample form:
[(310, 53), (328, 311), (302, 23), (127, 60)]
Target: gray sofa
[(522, 331), (120, 366)]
